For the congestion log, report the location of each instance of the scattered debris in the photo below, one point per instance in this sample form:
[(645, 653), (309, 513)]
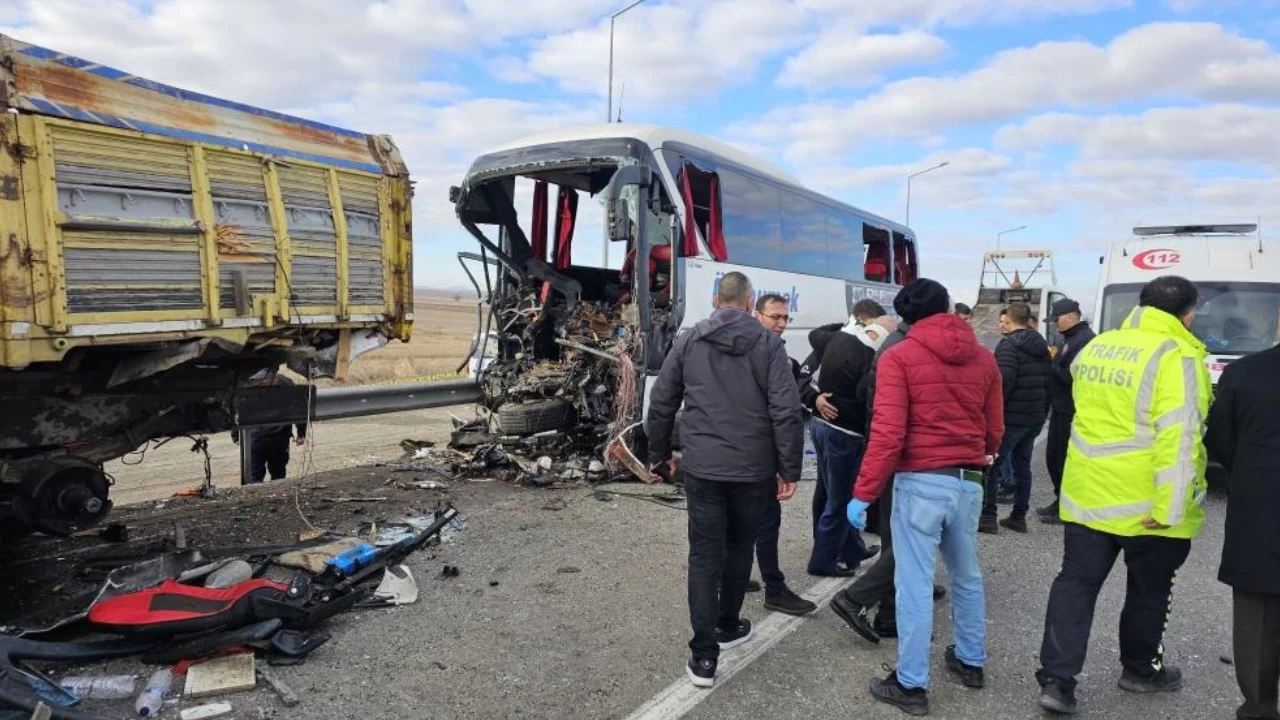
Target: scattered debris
[(439, 665), (1227, 659), (569, 570), (287, 695), (397, 588), (450, 571), (152, 697), (493, 583), (556, 503), (430, 485), (205, 712), (101, 687), (112, 532), (382, 498), (232, 572), (233, 673)]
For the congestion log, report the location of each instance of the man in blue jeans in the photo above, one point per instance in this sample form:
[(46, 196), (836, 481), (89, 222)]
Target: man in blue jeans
[(1026, 373), (937, 422)]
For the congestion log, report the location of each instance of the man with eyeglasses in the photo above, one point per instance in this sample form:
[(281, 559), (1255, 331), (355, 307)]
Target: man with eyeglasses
[(771, 311)]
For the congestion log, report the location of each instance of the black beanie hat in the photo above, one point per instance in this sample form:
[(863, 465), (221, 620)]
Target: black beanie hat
[(920, 299)]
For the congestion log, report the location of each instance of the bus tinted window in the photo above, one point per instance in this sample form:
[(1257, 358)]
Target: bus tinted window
[(844, 245), (752, 220), (804, 235)]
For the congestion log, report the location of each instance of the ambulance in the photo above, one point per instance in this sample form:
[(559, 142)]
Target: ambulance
[(1235, 270)]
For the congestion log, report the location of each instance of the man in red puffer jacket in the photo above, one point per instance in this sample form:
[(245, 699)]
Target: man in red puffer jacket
[(937, 423)]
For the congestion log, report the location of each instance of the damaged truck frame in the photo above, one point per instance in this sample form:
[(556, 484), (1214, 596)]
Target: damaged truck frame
[(578, 346), (158, 248)]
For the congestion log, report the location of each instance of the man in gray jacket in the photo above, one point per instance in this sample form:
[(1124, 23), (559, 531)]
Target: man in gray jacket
[(743, 439)]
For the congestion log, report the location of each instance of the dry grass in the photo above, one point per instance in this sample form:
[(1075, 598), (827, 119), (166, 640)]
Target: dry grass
[(442, 332)]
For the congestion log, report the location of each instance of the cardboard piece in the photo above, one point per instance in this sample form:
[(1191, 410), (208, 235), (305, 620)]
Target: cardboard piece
[(220, 676)]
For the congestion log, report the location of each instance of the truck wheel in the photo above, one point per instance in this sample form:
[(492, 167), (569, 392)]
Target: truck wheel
[(534, 417)]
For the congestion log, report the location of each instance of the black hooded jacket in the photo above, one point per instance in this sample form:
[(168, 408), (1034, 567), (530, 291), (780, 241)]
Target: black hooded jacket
[(1026, 373), (742, 420)]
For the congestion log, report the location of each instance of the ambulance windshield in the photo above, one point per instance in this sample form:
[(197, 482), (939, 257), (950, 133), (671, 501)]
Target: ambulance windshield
[(1232, 318)]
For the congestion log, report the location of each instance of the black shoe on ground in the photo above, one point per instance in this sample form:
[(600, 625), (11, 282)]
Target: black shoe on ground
[(701, 672), (788, 602), (970, 676), (1169, 679), (753, 586), (856, 617), (1050, 510), (843, 571), (887, 629), (732, 637), (872, 551), (939, 592), (1016, 523), (1057, 699), (912, 701), (989, 525), (1051, 519)]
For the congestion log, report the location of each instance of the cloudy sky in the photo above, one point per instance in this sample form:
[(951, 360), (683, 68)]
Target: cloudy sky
[(1077, 118)]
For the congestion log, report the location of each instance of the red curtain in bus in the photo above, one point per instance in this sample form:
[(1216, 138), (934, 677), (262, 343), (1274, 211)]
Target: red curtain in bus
[(539, 239), (715, 228), (566, 217)]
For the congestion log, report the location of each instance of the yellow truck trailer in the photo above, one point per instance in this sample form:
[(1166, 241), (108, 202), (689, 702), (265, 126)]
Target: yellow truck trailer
[(157, 248)]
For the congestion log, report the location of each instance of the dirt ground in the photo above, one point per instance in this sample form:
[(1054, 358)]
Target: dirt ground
[(443, 325)]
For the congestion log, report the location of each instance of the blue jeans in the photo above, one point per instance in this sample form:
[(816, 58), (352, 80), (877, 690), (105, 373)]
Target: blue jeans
[(834, 539), (1015, 449), (932, 512)]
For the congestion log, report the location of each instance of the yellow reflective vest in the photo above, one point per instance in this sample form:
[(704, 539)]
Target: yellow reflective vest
[(1141, 393)]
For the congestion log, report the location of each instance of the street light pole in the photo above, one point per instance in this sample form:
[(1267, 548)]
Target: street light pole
[(1002, 233), (942, 164), (608, 116)]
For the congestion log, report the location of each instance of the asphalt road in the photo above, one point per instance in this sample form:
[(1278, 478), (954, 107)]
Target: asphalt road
[(580, 612)]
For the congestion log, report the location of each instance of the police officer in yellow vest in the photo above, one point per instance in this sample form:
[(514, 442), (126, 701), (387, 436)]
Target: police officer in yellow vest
[(1133, 483)]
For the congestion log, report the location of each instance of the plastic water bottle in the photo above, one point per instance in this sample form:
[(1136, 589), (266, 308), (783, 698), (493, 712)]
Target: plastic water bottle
[(100, 687), (152, 697)]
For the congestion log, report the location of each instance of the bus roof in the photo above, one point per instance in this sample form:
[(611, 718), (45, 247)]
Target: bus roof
[(657, 136)]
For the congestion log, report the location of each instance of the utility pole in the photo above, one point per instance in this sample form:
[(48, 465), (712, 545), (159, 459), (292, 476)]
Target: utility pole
[(942, 164), (608, 116)]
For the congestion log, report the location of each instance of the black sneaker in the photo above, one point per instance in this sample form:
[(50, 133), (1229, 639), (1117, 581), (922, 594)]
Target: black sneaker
[(1169, 679), (970, 676), (753, 586), (734, 636), (1058, 699), (788, 602), (1050, 510), (912, 701), (1051, 519), (701, 672), (856, 617)]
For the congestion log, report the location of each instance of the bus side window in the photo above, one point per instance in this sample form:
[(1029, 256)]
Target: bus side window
[(846, 254), (803, 235), (905, 265), (752, 221), (700, 194), (876, 248)]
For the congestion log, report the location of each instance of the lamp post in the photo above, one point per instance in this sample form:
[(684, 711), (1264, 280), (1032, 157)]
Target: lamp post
[(1002, 233), (608, 116), (942, 164)]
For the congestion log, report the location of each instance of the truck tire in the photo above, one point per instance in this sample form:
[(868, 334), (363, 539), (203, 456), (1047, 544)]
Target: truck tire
[(534, 417)]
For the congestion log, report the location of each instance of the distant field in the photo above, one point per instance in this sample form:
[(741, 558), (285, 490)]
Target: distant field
[(442, 330)]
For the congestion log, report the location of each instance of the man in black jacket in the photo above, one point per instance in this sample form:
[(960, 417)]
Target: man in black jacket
[(1076, 334), (743, 438), (771, 311), (1244, 435), (1025, 373), (839, 442)]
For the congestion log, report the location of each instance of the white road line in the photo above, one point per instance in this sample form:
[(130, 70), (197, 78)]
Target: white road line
[(681, 696)]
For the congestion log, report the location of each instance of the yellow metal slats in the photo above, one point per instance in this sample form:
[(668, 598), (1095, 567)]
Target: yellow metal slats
[(52, 234), (390, 239), (203, 203), (284, 246), (82, 148), (340, 231)]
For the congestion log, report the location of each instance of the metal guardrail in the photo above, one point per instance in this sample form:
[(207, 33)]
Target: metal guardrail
[(363, 400)]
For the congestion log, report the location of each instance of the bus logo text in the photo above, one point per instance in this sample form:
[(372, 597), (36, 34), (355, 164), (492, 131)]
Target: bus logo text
[(1157, 259), (792, 297)]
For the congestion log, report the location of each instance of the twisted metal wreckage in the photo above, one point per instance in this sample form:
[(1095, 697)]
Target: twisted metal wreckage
[(562, 394)]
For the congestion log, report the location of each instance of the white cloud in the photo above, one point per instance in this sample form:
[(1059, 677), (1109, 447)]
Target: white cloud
[(1182, 60), (672, 52), (843, 57), (957, 12), (1240, 134)]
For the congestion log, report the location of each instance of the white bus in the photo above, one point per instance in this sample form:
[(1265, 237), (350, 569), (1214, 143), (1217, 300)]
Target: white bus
[(1236, 272), (697, 209)]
